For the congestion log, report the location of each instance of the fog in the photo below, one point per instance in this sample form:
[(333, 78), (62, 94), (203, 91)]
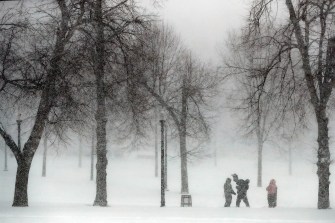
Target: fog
[(136, 140)]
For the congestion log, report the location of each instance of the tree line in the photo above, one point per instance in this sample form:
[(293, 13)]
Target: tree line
[(283, 61), (74, 65), (69, 65)]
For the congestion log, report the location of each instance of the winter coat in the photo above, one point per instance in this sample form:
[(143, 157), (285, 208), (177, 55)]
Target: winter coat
[(272, 188), (241, 185), (228, 189)]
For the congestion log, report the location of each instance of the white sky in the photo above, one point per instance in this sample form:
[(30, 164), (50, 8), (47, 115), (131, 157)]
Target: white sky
[(203, 24)]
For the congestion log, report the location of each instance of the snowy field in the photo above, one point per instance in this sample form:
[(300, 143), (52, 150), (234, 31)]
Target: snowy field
[(67, 194)]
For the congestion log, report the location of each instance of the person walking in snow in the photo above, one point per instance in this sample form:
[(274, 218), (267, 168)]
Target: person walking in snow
[(272, 194), (242, 187), (228, 192)]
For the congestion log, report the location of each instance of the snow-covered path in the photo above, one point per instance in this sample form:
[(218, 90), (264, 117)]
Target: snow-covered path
[(131, 214), (67, 194)]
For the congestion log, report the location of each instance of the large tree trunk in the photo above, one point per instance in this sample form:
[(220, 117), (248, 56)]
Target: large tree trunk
[(25, 157), (101, 119), (183, 155), (323, 159), (21, 184), (319, 104), (48, 95)]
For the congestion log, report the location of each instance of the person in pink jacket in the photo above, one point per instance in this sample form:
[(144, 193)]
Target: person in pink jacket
[(272, 194)]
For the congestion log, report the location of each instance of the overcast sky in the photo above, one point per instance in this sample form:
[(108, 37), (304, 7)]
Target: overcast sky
[(203, 24)]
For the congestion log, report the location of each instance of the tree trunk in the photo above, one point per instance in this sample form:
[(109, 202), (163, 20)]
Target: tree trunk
[(48, 95), (101, 119), (260, 158), (92, 156), (44, 166), (183, 155), (319, 105), (21, 184), (260, 165), (290, 160), (323, 159)]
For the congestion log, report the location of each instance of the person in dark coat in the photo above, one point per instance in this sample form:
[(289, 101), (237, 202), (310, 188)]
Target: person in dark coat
[(272, 194), (242, 187), (228, 192)]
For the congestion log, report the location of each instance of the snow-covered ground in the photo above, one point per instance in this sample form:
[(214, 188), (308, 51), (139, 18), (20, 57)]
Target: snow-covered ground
[(67, 194)]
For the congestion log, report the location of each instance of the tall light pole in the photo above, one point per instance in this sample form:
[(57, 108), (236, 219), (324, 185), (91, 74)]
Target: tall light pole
[(165, 157), (156, 143), (162, 121), (19, 121)]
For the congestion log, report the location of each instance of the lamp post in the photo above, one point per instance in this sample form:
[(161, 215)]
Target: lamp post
[(19, 121), (165, 158), (156, 144), (162, 121)]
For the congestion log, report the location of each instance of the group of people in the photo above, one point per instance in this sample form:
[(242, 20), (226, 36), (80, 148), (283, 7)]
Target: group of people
[(242, 187)]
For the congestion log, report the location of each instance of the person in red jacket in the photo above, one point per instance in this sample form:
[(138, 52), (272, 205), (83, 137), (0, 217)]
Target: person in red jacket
[(272, 194)]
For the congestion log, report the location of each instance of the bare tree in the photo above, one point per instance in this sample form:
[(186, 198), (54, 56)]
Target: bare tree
[(112, 27), (181, 84), (21, 74), (303, 55), (248, 64)]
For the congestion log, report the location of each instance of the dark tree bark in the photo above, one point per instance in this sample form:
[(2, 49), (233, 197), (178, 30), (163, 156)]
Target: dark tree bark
[(319, 102), (323, 160), (100, 117), (24, 158), (21, 183)]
